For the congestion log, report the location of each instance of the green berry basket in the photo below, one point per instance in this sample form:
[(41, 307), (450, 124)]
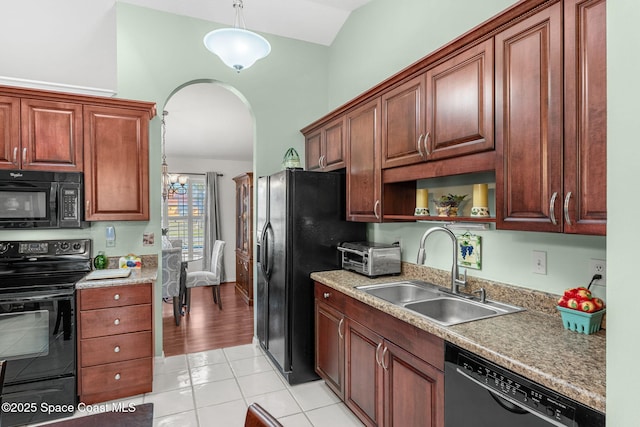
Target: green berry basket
[(581, 322)]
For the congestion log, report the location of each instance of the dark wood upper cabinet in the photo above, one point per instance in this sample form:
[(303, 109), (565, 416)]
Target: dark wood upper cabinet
[(364, 176), (9, 132), (460, 104), (116, 163), (551, 121), (325, 147), (40, 135), (522, 94), (403, 124), (585, 117), (529, 124), (443, 113)]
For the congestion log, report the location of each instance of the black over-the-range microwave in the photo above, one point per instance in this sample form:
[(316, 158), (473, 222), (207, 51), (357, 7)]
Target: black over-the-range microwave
[(36, 199)]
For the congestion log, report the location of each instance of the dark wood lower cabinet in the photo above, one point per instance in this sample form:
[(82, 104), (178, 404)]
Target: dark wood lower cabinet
[(364, 376), (414, 389), (385, 382), (330, 346)]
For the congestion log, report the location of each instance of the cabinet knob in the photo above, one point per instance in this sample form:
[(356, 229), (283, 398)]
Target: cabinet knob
[(116, 322), (326, 295), (116, 349), (116, 297), (116, 377)]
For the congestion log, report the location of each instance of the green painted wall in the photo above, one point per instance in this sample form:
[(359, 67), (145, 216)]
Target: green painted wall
[(158, 52), (623, 152)]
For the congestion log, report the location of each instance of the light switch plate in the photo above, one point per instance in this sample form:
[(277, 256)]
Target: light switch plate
[(539, 262)]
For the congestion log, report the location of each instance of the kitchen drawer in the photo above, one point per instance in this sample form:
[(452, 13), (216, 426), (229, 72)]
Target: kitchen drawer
[(115, 296), (330, 296), (117, 320), (114, 376), (116, 348)]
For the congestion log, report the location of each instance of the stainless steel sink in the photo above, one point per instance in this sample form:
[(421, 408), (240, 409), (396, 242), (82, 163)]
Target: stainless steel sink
[(402, 292), (438, 304)]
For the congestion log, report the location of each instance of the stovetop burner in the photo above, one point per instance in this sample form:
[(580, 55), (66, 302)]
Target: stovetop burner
[(27, 265)]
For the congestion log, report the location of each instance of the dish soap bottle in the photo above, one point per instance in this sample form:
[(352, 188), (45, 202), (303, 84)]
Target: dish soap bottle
[(100, 261)]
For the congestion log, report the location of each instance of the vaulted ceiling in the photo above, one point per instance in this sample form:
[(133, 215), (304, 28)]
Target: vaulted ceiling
[(209, 121)]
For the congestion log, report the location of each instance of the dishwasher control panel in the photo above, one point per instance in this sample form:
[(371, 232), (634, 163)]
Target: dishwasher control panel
[(510, 387)]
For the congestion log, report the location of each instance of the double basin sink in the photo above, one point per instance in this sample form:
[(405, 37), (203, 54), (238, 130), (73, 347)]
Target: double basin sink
[(437, 304)]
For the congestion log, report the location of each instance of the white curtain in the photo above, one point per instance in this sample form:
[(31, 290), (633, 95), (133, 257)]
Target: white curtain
[(212, 228)]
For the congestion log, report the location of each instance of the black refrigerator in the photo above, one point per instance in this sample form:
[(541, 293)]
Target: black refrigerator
[(300, 223)]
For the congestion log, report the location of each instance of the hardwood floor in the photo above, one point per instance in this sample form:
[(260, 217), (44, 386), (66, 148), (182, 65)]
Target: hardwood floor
[(207, 327)]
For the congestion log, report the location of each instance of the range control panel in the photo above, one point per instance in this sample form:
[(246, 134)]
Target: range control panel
[(21, 249), (514, 389)]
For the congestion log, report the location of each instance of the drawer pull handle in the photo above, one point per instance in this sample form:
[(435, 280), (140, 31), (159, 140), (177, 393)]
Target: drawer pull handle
[(326, 295), (116, 322), (116, 297), (117, 377), (116, 349)]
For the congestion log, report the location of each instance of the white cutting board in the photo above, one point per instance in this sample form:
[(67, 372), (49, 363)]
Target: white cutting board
[(111, 273)]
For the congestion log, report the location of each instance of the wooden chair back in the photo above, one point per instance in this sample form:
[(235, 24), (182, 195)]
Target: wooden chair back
[(257, 416)]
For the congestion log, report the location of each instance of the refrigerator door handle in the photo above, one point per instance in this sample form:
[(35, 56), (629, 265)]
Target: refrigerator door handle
[(268, 251), (261, 254)]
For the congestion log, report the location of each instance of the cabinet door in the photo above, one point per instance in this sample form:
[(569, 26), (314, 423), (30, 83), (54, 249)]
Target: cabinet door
[(325, 147), (51, 135), (460, 104), (403, 114), (334, 145), (529, 123), (364, 376), (116, 164), (9, 132), (407, 380), (364, 175), (329, 346), (313, 150), (585, 118)]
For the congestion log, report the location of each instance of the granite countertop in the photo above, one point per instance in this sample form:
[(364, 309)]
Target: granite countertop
[(532, 343), (143, 275)]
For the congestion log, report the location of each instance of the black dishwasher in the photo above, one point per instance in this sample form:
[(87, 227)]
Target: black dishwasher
[(482, 394)]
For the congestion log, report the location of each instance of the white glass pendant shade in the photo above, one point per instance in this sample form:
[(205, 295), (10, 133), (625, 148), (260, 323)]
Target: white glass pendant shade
[(238, 48)]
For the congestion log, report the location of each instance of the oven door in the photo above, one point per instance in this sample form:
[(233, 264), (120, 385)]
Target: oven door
[(28, 204), (37, 339)]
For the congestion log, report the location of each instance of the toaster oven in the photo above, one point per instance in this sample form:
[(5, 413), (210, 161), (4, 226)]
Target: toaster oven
[(370, 258)]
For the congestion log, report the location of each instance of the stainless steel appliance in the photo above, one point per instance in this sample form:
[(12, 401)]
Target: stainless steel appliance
[(371, 259), (35, 199), (300, 223), (482, 394), (37, 326)]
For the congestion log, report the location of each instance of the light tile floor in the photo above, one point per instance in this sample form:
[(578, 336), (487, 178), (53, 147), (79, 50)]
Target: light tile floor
[(214, 388)]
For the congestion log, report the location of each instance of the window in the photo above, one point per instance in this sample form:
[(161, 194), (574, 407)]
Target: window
[(184, 215)]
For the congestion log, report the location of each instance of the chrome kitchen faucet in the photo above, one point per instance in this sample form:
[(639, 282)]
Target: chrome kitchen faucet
[(455, 281)]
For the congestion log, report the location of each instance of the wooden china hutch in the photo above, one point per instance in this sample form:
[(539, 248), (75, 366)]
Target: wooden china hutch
[(244, 242)]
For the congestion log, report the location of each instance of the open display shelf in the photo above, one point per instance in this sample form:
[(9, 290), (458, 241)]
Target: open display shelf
[(440, 218)]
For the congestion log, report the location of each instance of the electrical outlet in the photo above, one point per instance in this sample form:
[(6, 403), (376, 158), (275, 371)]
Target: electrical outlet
[(598, 266), (539, 262)]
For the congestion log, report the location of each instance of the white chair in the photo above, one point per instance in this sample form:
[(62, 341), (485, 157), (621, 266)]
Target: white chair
[(171, 263), (208, 278)]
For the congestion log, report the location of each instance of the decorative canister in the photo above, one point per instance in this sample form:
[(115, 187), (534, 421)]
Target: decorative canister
[(100, 261), (291, 159)]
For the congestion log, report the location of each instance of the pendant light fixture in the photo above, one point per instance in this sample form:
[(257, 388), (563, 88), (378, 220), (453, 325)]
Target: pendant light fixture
[(171, 183), (237, 47)]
